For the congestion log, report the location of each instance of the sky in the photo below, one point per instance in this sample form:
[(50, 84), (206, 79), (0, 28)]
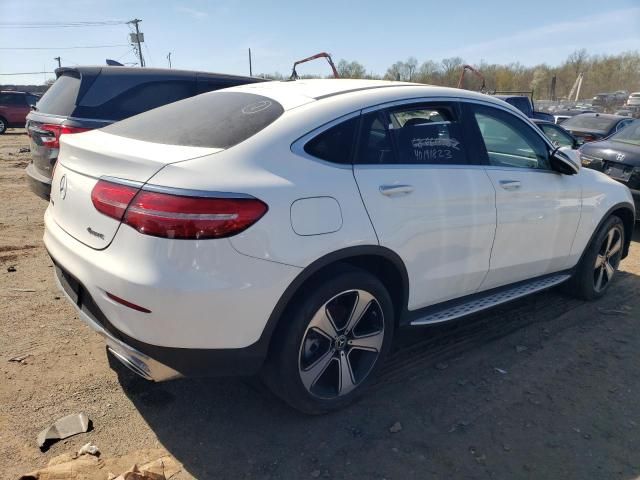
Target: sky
[(215, 35)]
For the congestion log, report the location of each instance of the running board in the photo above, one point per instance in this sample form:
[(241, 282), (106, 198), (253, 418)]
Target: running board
[(481, 301)]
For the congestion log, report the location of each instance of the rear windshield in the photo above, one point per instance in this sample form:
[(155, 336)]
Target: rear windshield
[(629, 134), (217, 119), (61, 97), (591, 123), (521, 104), (113, 98)]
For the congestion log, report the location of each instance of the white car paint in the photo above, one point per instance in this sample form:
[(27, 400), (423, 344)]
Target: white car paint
[(456, 231), (536, 223)]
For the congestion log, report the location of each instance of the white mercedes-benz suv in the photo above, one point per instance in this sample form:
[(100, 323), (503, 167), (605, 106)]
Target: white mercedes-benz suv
[(289, 228)]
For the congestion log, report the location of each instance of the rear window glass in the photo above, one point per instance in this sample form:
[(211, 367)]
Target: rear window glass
[(629, 134), (134, 99), (589, 122), (521, 104), (61, 97), (217, 119)]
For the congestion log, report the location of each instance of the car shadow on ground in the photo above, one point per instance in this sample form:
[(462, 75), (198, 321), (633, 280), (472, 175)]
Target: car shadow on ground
[(440, 383)]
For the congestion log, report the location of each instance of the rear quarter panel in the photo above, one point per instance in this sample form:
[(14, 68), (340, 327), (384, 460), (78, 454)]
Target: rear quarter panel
[(266, 168)]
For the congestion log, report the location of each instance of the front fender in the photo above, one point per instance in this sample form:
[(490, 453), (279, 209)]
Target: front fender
[(601, 196)]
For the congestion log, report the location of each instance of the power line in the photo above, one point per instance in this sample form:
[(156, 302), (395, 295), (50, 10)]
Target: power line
[(25, 73), (60, 24), (63, 48)]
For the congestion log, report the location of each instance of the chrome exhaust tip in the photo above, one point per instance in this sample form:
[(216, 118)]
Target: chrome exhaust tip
[(132, 364)]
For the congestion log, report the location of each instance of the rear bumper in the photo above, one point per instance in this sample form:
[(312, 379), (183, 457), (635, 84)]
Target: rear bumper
[(209, 308), (132, 358), (38, 183)]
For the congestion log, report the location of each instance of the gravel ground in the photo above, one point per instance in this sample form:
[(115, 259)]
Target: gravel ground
[(546, 387)]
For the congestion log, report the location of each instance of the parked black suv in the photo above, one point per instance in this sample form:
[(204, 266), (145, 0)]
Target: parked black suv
[(524, 103), (84, 98)]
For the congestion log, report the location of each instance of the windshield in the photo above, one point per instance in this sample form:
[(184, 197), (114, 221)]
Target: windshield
[(629, 134), (217, 119), (589, 122)]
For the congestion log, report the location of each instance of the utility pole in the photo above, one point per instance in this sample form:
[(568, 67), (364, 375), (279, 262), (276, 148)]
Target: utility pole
[(250, 69), (58, 60), (135, 22), (169, 59)]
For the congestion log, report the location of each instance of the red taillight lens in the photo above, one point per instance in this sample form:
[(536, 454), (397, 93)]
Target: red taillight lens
[(176, 216), (169, 215), (50, 134), (112, 198)]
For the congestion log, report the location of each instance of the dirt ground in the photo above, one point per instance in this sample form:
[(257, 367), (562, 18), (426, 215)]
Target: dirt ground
[(546, 387)]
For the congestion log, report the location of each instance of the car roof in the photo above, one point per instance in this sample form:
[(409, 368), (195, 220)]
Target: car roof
[(147, 71), (610, 116), (510, 96), (291, 94)]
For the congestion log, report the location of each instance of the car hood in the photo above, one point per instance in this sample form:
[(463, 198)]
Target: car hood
[(611, 150)]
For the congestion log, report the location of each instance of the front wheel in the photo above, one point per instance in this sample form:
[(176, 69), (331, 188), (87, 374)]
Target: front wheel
[(599, 262), (3, 125), (331, 342)]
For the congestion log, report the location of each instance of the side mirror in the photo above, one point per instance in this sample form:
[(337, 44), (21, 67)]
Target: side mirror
[(565, 160)]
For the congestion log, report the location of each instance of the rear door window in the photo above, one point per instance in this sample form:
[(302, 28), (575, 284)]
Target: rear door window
[(216, 119), (61, 97), (425, 133)]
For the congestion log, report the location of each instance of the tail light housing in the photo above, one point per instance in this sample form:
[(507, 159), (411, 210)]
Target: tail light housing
[(177, 214), (50, 134)]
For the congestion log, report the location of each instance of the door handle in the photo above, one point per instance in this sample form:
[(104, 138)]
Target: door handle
[(510, 184), (393, 190)]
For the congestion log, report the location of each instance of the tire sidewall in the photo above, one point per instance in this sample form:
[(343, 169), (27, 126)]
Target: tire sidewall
[(587, 266), (294, 324), (3, 125)]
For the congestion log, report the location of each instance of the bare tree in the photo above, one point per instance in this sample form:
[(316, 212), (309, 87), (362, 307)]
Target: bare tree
[(410, 67), (348, 69)]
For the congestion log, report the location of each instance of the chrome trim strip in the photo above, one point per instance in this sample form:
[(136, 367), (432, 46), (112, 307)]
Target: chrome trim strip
[(297, 146), (122, 181), (183, 192), (187, 192)]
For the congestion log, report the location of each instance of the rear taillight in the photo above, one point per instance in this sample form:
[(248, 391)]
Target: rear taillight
[(50, 134), (112, 199), (171, 215)]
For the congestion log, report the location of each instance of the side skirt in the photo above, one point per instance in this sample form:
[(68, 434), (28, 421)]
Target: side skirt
[(461, 307)]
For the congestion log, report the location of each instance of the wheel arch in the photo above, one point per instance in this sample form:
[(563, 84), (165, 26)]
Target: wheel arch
[(382, 262), (624, 211)]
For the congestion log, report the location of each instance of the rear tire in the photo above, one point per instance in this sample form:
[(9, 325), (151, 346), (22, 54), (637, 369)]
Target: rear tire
[(3, 125), (599, 262), (331, 342)]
